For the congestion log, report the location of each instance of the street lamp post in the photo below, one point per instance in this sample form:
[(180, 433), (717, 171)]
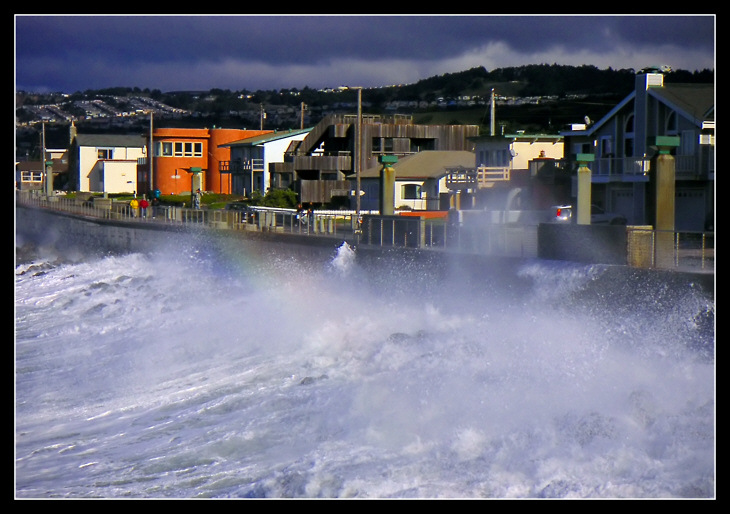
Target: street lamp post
[(358, 146), (151, 156), (358, 157)]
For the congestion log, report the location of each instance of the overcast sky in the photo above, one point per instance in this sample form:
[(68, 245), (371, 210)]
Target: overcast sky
[(236, 52)]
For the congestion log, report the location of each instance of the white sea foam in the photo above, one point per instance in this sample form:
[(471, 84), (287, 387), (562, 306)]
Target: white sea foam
[(160, 376)]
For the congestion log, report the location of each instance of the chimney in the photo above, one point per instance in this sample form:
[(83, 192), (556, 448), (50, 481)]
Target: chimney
[(646, 80), (71, 133)]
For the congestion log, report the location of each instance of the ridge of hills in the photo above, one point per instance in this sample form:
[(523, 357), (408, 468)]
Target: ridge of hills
[(537, 98)]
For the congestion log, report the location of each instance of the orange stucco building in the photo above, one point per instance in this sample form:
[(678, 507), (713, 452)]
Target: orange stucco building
[(181, 153)]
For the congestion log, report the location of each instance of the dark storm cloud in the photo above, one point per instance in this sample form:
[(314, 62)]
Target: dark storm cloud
[(73, 53)]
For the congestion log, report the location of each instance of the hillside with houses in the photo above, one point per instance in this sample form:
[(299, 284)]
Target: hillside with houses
[(535, 98)]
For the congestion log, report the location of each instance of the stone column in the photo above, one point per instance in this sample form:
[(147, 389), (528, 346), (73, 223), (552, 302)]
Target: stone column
[(584, 188), (387, 185), (663, 188)]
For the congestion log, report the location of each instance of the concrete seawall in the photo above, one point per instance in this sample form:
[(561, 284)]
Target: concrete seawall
[(70, 235), (74, 236)]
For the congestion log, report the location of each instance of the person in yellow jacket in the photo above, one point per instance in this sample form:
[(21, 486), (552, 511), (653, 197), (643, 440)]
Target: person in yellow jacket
[(134, 204)]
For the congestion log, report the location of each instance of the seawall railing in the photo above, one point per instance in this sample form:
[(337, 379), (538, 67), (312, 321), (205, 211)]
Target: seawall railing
[(637, 246)]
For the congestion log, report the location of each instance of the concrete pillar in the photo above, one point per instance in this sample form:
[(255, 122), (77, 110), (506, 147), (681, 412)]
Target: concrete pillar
[(422, 232), (663, 188), (584, 188), (455, 200), (49, 177), (387, 185)]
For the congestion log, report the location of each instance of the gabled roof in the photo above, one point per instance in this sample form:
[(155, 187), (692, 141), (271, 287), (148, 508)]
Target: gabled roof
[(603, 120), (57, 165), (694, 101), (426, 164), (124, 140), (266, 138)]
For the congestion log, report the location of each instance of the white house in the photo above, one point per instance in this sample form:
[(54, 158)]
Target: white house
[(105, 163), (253, 159), (515, 151)]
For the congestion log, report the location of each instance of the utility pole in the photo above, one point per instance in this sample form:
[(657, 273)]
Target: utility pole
[(263, 116), (358, 158), (492, 115), (43, 153), (150, 156), (47, 170)]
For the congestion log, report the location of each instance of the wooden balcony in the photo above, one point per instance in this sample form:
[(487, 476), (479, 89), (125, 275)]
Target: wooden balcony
[(476, 178), (321, 191), (342, 161)]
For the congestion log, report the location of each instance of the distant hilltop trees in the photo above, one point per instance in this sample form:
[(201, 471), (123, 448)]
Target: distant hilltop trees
[(538, 97)]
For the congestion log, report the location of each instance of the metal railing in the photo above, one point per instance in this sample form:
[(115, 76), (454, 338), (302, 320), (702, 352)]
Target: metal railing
[(646, 247), (649, 248), (322, 223)]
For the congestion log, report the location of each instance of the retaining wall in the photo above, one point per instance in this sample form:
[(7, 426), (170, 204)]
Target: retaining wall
[(76, 235)]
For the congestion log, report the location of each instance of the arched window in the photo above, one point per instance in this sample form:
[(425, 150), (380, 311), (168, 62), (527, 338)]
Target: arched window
[(629, 136), (671, 126)]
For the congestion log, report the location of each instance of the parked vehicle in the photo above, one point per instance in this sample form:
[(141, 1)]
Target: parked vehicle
[(561, 213), (564, 214)]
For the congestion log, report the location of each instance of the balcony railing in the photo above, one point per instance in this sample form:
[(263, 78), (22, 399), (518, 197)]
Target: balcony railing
[(617, 167), (477, 178), (627, 168), (688, 166)]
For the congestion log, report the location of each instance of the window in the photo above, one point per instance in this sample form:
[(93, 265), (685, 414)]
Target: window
[(104, 153), (411, 192), (672, 123), (482, 157), (181, 149), (629, 136), (606, 146), (31, 176), (497, 158), (164, 149), (629, 128), (687, 142)]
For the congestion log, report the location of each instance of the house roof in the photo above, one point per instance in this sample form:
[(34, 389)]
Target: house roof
[(519, 137), (125, 140), (266, 138), (695, 101), (57, 165), (426, 164)]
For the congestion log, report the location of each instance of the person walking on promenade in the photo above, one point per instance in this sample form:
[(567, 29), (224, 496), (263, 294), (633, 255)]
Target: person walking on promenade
[(196, 199), (155, 203), (134, 205), (143, 204)]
